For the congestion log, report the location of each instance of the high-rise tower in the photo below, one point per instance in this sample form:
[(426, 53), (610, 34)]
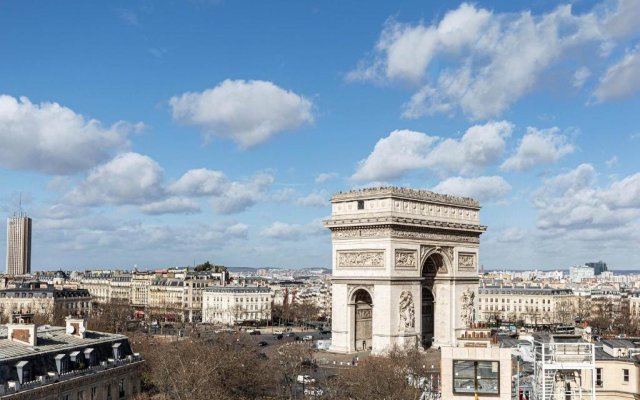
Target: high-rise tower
[(18, 244)]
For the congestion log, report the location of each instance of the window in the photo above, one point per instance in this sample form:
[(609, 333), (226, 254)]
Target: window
[(121, 389), (625, 375), (94, 393), (476, 377), (360, 204), (599, 377)]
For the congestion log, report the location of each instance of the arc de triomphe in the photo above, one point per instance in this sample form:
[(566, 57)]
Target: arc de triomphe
[(404, 268)]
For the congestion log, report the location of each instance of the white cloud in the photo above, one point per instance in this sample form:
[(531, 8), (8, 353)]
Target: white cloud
[(313, 200), (293, 232), (128, 16), (325, 177), (511, 235), (129, 178), (580, 76), (622, 21), (622, 80), (613, 161), (571, 205), (53, 139), (393, 156), (485, 189), (538, 146), (199, 182), (239, 196), (171, 205), (247, 112), (405, 51), (481, 62), (479, 147), (404, 151)]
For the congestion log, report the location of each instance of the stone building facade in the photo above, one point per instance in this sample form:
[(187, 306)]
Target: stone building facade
[(404, 268), (230, 305), (42, 299)]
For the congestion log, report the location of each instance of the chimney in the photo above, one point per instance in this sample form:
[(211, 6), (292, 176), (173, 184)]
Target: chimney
[(22, 330), (76, 326)]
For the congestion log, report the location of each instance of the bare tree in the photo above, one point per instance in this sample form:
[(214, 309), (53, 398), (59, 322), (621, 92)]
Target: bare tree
[(399, 375), (223, 368), (564, 312), (111, 316)]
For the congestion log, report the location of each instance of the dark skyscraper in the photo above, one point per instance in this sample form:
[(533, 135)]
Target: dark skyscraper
[(18, 244), (598, 267)]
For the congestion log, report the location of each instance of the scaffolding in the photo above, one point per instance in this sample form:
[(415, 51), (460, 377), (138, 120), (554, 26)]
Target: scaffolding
[(563, 368)]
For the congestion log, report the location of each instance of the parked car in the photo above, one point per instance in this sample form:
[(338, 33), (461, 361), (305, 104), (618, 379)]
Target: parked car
[(307, 337), (262, 343), (278, 332), (279, 337), (306, 379), (313, 392), (254, 332), (290, 334)]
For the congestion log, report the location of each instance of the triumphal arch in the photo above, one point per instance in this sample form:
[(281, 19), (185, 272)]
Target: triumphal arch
[(405, 267)]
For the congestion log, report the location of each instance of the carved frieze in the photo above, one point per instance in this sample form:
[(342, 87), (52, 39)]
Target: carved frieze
[(407, 311), (404, 234), (363, 258), (361, 233), (406, 259), (467, 302), (436, 237), (448, 251), (466, 262), (363, 313)]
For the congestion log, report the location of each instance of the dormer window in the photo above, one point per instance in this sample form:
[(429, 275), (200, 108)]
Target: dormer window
[(117, 351), (23, 370), (77, 359), (90, 356), (61, 363)]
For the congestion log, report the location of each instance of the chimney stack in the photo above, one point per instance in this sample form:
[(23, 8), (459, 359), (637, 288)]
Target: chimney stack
[(22, 330), (76, 326)]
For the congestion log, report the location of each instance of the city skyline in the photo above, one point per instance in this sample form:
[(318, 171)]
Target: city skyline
[(157, 134)]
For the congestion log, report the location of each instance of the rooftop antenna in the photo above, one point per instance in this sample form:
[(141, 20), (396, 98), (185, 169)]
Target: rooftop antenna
[(20, 205)]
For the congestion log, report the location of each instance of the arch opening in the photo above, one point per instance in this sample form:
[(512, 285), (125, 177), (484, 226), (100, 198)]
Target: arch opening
[(432, 264), (363, 320)]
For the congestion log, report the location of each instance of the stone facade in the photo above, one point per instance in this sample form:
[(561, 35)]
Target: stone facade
[(402, 258)]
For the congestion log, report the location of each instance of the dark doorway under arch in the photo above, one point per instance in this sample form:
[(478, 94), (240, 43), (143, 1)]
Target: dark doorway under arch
[(363, 319), (428, 304)]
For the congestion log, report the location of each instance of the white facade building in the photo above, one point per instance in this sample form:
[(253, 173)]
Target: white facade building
[(235, 304), (580, 272)]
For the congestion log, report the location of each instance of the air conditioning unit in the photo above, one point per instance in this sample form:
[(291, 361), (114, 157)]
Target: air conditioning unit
[(41, 378)]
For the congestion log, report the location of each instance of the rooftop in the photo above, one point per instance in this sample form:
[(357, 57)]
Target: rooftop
[(51, 339), (406, 193), (238, 289)]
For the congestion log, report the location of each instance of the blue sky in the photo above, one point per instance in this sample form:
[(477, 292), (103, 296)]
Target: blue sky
[(162, 133)]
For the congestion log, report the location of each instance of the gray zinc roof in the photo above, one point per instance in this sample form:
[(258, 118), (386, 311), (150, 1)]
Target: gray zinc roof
[(50, 340)]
